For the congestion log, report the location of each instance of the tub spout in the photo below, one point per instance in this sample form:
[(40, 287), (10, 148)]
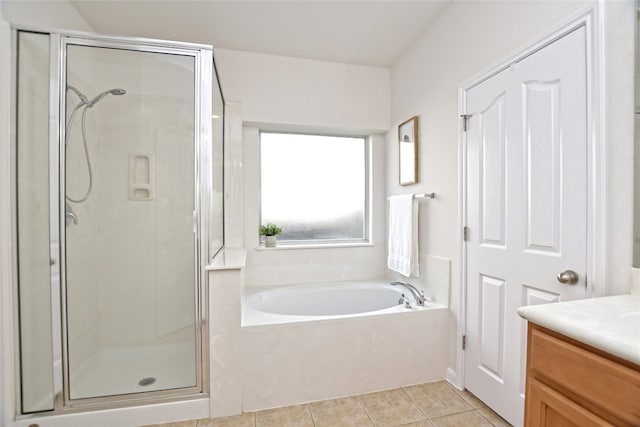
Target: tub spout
[(69, 215), (417, 294)]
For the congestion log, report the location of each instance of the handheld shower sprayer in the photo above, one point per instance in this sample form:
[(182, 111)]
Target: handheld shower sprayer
[(86, 103), (97, 98), (83, 99)]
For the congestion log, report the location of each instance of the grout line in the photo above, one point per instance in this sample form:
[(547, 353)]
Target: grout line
[(471, 407), (457, 413), (364, 407), (466, 399), (313, 421), (491, 422), (467, 396), (417, 404), (488, 420)]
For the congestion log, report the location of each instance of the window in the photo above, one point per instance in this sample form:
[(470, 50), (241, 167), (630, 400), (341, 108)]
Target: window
[(315, 187)]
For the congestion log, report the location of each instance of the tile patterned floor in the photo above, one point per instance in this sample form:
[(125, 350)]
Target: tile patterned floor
[(435, 404)]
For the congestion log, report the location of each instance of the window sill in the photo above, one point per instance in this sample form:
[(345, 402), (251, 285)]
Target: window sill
[(287, 246)]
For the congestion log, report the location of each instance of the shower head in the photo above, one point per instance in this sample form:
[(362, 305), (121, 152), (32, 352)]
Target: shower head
[(83, 98), (115, 91)]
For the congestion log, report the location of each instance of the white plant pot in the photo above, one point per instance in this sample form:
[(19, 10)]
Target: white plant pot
[(270, 241)]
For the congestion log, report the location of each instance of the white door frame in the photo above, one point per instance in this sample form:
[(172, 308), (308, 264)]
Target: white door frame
[(596, 196)]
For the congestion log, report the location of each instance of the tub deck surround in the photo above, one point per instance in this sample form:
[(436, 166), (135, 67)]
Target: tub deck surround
[(294, 359), (289, 364), (228, 259), (284, 362), (225, 363), (610, 324)]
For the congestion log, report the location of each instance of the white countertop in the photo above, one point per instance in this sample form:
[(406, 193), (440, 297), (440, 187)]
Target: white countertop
[(611, 324)]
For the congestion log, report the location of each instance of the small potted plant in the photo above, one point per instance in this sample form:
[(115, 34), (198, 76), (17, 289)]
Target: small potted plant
[(270, 233)]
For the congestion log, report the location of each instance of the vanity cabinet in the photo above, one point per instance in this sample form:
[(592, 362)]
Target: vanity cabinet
[(569, 383)]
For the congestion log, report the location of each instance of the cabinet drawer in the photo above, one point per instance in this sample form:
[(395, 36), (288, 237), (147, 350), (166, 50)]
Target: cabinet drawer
[(605, 384)]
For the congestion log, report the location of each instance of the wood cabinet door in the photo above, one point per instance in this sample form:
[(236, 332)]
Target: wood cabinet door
[(546, 407)]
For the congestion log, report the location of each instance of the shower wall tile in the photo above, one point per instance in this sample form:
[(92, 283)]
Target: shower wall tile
[(233, 179), (437, 277), (174, 239), (131, 263), (284, 266)]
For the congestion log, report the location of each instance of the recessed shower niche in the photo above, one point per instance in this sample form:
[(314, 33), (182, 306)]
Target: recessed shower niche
[(141, 176), (113, 181)]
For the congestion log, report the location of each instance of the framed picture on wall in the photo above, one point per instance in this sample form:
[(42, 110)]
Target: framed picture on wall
[(408, 151)]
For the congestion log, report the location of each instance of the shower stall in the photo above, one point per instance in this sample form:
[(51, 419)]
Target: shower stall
[(118, 208)]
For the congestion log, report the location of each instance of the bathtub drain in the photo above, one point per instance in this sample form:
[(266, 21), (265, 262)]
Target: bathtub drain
[(146, 381)]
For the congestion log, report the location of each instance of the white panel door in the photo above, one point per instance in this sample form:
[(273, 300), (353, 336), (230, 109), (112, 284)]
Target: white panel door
[(526, 209)]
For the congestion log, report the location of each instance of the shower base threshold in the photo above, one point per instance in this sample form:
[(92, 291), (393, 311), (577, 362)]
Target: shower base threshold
[(123, 370)]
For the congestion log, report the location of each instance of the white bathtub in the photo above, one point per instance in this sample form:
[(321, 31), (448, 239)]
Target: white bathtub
[(318, 301), (305, 343)]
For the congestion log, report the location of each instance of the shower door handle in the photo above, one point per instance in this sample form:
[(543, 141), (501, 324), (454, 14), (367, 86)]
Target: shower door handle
[(195, 222)]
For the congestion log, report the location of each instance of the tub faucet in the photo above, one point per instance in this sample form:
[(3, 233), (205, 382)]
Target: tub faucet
[(69, 215), (417, 294)]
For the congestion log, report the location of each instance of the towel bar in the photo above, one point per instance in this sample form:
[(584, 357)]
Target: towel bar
[(427, 195)]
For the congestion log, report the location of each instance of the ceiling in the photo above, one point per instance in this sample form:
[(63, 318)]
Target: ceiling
[(361, 32)]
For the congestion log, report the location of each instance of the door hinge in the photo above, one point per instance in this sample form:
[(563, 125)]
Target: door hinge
[(465, 233), (464, 342), (465, 121)]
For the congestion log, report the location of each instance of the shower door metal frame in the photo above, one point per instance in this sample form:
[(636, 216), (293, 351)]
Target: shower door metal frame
[(202, 124), (203, 81)]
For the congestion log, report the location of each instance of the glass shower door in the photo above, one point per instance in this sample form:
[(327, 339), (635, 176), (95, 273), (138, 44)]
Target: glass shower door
[(128, 194), (32, 185)]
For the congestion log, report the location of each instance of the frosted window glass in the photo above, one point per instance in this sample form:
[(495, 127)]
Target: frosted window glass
[(314, 187)]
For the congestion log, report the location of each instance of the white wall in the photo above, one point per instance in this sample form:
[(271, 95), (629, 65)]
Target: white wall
[(636, 219), (467, 39), (297, 94), (47, 14), (302, 92), (6, 267), (619, 18)]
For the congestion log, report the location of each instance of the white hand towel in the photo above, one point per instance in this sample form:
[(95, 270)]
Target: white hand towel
[(403, 235)]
